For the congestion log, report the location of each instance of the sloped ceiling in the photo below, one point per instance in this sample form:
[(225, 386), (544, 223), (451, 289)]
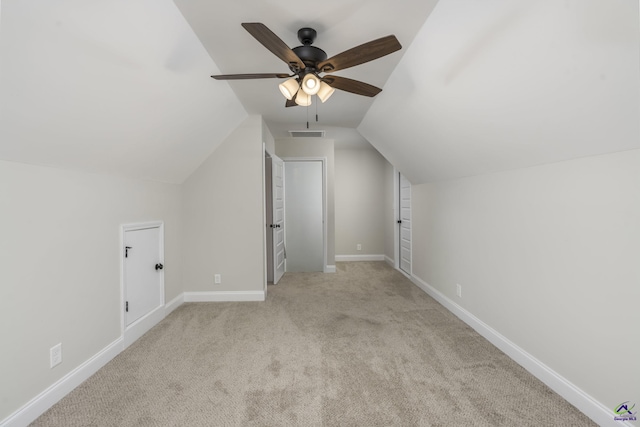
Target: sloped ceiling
[(117, 87), (122, 87), (340, 24), (502, 84)]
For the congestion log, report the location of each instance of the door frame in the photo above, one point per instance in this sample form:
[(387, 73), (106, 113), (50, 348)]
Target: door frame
[(266, 205), (139, 327), (270, 205), (397, 234), (396, 215), (325, 232)]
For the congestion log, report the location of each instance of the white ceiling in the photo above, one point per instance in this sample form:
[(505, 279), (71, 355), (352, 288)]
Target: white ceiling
[(122, 87), (495, 85), (118, 87), (340, 24)]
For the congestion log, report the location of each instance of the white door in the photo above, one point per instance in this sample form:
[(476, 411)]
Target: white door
[(142, 273), (404, 222), (304, 216), (277, 183)]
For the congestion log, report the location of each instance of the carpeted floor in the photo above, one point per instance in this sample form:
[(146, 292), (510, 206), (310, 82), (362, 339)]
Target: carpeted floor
[(362, 347)]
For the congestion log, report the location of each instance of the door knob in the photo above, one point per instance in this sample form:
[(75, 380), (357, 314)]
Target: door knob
[(159, 266)]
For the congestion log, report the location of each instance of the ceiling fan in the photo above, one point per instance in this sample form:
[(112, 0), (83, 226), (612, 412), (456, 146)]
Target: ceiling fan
[(307, 63)]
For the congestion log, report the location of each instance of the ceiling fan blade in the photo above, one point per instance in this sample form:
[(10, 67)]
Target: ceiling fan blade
[(353, 86), (272, 42), (250, 76), (360, 54)]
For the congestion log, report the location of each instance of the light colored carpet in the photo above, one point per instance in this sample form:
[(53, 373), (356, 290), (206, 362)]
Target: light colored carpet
[(362, 347)]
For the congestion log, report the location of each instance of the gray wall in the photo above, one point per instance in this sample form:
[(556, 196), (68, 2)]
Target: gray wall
[(60, 252), (60, 259), (223, 215), (360, 201), (548, 256)]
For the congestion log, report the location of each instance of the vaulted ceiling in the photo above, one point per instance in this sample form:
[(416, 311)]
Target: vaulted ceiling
[(340, 25), (123, 87)]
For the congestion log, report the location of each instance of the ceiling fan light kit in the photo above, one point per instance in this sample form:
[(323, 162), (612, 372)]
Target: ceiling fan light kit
[(325, 92), (303, 99), (289, 88), (306, 62), (311, 84)]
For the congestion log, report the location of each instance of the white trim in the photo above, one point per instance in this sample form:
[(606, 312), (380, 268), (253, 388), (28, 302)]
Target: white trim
[(54, 393), (348, 258), (222, 296), (329, 269), (396, 214), (142, 325), (264, 214), (51, 395), (595, 410), (173, 304), (390, 261)]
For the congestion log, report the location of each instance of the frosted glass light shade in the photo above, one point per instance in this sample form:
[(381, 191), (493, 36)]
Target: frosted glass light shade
[(310, 84), (325, 91), (289, 88), (303, 99)]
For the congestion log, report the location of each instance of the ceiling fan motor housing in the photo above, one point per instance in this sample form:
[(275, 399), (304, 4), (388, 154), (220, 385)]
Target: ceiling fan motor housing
[(310, 55), (307, 35)]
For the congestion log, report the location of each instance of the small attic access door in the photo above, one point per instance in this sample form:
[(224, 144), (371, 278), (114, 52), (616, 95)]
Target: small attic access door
[(142, 277)]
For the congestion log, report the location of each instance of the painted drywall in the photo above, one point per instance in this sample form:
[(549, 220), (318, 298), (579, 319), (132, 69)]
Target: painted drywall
[(267, 139), (505, 84), (60, 261), (359, 201), (548, 257), (119, 87), (316, 147), (223, 215)]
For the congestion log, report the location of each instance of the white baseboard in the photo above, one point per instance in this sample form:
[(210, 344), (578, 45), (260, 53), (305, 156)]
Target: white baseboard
[(173, 304), (222, 296), (348, 258), (390, 261), (142, 325), (49, 397), (330, 269), (595, 410)]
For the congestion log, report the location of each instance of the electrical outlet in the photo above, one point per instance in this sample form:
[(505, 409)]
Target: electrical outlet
[(459, 291), (217, 279), (55, 355), (359, 246)]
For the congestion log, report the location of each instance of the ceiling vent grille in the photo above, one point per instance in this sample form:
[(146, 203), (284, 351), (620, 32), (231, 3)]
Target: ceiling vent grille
[(306, 133)]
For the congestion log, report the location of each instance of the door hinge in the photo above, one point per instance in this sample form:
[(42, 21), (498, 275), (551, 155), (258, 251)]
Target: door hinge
[(126, 306)]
